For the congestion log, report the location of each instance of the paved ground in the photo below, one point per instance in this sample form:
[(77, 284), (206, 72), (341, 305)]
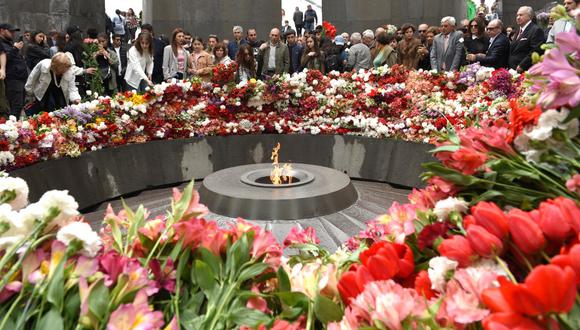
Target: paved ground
[(374, 199)]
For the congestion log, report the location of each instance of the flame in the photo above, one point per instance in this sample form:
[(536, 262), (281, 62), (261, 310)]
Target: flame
[(279, 175)]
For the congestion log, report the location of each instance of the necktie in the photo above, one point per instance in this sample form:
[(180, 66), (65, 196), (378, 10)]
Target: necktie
[(446, 43), (520, 34)]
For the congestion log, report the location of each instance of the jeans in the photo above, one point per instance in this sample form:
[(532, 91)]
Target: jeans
[(308, 26), (299, 29), (15, 95)]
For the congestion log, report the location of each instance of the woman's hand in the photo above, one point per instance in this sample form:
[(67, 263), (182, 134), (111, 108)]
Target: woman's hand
[(312, 54), (90, 71)]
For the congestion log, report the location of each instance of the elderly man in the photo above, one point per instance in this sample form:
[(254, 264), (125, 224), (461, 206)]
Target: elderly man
[(497, 54), (528, 39), (359, 55), (233, 45), (447, 50), (368, 38), (563, 24), (464, 26), (274, 57), (422, 31)]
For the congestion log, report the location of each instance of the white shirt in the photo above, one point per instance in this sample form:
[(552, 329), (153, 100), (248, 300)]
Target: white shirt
[(120, 68), (272, 59)]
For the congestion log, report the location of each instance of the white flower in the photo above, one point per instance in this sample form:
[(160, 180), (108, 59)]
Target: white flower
[(61, 200), (446, 206), (18, 187), (548, 121), (82, 232), (6, 158), (11, 227), (439, 268)]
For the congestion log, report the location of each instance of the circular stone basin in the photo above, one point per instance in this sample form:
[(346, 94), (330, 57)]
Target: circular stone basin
[(261, 178), (320, 191)]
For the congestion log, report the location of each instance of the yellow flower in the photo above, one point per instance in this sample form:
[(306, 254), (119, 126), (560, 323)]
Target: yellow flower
[(252, 81)]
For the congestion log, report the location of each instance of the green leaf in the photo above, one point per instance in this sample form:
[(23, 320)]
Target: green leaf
[(182, 204), (72, 305), (204, 275), (252, 271), (237, 255), (175, 252), (99, 300), (283, 280), (55, 294), (450, 174), (249, 317), (486, 196), (213, 261), (51, 321), (292, 313), (450, 148), (326, 310), (293, 298)]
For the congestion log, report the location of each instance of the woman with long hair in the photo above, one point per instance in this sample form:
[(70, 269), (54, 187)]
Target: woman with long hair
[(200, 61), (312, 57), (386, 53), (175, 57), (37, 49), (108, 64), (246, 64), (476, 40), (220, 55), (59, 44), (140, 62), (132, 23), (408, 48)]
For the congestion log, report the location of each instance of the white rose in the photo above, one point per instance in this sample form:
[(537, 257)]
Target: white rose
[(446, 206), (439, 268), (82, 232), (18, 187), (61, 200), (11, 227)]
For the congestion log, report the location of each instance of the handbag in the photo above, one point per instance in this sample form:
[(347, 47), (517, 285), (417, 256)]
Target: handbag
[(105, 72)]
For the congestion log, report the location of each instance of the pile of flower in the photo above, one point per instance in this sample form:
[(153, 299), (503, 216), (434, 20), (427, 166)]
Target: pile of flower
[(384, 102)]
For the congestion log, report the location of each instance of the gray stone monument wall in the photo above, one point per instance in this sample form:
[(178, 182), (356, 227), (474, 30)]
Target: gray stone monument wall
[(350, 16), (510, 8), (53, 14), (214, 16)]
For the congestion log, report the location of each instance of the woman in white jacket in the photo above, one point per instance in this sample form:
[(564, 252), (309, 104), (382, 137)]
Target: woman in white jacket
[(140, 63), (52, 82), (175, 57)]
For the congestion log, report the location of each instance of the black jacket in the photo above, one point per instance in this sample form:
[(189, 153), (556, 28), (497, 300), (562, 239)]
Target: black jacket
[(298, 18), (16, 68), (158, 46), (295, 56), (35, 54), (476, 46), (521, 49), (497, 55), (123, 52)]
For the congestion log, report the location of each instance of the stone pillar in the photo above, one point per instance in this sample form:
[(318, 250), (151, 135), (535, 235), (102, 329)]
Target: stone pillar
[(204, 17), (351, 16), (47, 15)]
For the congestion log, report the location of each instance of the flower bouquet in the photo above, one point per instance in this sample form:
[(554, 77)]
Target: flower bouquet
[(95, 83)]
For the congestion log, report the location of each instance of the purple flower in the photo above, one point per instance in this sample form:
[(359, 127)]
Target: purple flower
[(73, 113)]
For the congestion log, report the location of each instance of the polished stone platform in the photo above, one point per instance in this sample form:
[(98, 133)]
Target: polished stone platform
[(334, 229)]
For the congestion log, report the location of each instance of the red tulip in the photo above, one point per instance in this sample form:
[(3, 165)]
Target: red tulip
[(570, 211), (569, 259), (353, 282), (483, 242), (553, 287), (423, 285), (509, 321), (525, 232), (495, 301), (491, 217), (385, 260), (553, 222), (457, 248)]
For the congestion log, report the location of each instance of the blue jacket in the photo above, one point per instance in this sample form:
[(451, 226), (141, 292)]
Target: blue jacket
[(233, 48), (295, 56)]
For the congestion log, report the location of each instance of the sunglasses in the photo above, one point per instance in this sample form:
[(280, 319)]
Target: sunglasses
[(422, 31)]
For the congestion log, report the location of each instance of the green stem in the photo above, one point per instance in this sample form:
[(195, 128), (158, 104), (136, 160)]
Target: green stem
[(223, 301), (309, 321), (506, 269), (12, 251), (12, 307)]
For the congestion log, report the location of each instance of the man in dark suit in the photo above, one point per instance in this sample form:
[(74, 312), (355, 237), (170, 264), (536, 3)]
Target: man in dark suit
[(529, 38), (298, 21), (498, 53), (120, 48)]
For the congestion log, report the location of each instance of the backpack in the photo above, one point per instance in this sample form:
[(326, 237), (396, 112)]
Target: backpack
[(332, 62)]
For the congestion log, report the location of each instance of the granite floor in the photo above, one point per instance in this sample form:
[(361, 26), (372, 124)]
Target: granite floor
[(374, 199)]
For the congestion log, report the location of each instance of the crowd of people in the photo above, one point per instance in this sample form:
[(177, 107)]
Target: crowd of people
[(51, 69)]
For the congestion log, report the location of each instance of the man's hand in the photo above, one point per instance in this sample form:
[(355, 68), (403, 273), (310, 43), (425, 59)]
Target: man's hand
[(263, 46), (2, 74), (471, 57), (90, 71)]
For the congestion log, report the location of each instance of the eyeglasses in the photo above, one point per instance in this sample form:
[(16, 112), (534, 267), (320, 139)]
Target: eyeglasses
[(422, 31), (490, 28)]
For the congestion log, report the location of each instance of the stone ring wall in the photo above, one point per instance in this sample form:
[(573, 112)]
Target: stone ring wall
[(105, 174)]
